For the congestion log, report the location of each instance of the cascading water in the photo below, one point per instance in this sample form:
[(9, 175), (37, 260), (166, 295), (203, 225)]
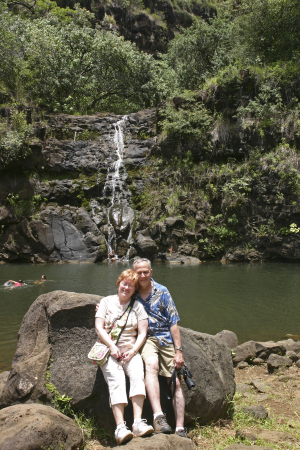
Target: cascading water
[(119, 213)]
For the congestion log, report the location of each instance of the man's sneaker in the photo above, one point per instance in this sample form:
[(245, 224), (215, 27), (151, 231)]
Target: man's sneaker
[(142, 429), (182, 433), (161, 425), (123, 434)]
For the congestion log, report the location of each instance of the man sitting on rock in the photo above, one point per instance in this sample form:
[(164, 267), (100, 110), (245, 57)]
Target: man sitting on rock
[(162, 349)]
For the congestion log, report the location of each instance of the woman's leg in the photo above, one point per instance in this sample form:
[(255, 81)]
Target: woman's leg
[(118, 412), (135, 371), (137, 404)]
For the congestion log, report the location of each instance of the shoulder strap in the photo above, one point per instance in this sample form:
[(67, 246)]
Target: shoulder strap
[(129, 307)]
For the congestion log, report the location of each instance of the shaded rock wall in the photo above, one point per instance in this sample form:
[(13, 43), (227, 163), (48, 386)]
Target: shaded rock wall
[(152, 23), (57, 204)]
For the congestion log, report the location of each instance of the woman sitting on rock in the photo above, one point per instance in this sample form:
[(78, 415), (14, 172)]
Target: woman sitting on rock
[(124, 357)]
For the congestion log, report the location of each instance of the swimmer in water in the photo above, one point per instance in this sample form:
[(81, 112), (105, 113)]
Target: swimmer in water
[(112, 256), (43, 278), (16, 283)]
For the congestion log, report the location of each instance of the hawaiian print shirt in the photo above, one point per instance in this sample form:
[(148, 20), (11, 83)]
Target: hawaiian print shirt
[(162, 313)]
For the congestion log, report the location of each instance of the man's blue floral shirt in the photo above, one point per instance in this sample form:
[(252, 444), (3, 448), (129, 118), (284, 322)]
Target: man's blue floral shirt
[(162, 313)]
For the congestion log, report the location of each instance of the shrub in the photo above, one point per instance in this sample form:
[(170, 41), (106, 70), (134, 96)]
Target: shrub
[(15, 138)]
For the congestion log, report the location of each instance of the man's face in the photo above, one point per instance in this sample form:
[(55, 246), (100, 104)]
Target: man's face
[(143, 272)]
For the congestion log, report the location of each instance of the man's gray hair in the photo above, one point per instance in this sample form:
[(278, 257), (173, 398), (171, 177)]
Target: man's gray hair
[(139, 260)]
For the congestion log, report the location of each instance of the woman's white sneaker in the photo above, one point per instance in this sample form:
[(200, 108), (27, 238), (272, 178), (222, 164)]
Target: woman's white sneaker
[(141, 428), (123, 434)]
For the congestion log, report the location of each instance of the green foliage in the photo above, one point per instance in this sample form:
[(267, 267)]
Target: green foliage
[(67, 66), (200, 51), (237, 189), (191, 122), (219, 233), (292, 229), (15, 137), (61, 402), (269, 30)]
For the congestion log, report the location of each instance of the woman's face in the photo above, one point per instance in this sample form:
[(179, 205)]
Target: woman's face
[(126, 289)]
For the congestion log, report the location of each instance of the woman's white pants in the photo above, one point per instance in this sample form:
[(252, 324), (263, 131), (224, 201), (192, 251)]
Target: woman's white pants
[(114, 374)]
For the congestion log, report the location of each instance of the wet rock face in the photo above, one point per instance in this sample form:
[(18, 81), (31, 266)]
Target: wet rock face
[(57, 320), (86, 203), (60, 234)]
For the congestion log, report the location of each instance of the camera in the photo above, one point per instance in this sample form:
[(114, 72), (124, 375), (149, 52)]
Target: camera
[(185, 374)]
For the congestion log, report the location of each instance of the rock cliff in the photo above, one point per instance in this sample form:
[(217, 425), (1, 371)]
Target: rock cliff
[(101, 182)]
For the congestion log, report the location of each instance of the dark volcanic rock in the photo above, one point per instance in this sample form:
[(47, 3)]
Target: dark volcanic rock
[(159, 442), (256, 411), (244, 352), (33, 427), (264, 349), (276, 361), (60, 326), (145, 245)]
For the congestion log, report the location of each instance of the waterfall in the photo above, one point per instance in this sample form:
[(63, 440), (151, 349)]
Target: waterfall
[(119, 213)]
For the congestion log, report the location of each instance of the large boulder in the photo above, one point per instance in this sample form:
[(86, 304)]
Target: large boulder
[(54, 339), (159, 442), (33, 427)]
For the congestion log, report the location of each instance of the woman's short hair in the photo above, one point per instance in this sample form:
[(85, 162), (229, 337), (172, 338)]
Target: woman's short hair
[(130, 275)]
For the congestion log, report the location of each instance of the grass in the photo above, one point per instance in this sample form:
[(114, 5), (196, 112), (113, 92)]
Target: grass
[(283, 416)]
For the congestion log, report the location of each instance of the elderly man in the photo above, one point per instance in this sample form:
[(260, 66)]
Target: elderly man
[(162, 350)]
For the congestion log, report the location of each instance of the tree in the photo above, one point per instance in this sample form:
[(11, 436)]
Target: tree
[(200, 51), (269, 30)]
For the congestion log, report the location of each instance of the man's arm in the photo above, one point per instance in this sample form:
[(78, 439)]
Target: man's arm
[(178, 359)]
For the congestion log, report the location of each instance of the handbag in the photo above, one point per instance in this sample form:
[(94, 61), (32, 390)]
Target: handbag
[(99, 353)]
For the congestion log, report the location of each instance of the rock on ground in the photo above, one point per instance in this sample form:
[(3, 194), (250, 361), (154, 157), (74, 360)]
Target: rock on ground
[(56, 335), (32, 427), (159, 442), (244, 352), (276, 361), (256, 411)]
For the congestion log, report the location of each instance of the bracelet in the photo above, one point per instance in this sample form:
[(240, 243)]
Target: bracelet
[(178, 348), (134, 351)]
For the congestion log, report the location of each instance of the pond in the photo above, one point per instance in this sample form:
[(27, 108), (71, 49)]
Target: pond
[(256, 301)]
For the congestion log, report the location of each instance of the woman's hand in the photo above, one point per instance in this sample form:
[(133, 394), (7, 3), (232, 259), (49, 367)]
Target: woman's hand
[(114, 351), (128, 355)]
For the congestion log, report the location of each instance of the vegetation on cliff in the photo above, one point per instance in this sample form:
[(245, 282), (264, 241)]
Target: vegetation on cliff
[(228, 96)]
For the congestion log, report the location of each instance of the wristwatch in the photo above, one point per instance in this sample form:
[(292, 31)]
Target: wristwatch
[(178, 348)]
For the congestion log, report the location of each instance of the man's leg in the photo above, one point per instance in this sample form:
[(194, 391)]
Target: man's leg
[(178, 403), (152, 383)]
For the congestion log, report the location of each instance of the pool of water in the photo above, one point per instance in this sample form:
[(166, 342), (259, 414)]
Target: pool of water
[(256, 301)]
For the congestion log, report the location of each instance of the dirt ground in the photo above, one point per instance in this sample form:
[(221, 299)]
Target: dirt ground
[(279, 393)]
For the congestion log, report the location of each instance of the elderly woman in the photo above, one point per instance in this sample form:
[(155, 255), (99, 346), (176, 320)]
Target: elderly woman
[(124, 357)]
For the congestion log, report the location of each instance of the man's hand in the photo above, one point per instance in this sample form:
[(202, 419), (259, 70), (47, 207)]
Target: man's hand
[(97, 307), (178, 359)]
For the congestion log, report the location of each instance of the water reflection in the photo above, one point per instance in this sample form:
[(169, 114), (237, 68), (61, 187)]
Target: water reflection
[(258, 302)]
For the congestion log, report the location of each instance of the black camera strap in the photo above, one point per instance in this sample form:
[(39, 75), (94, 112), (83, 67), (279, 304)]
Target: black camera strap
[(172, 382)]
